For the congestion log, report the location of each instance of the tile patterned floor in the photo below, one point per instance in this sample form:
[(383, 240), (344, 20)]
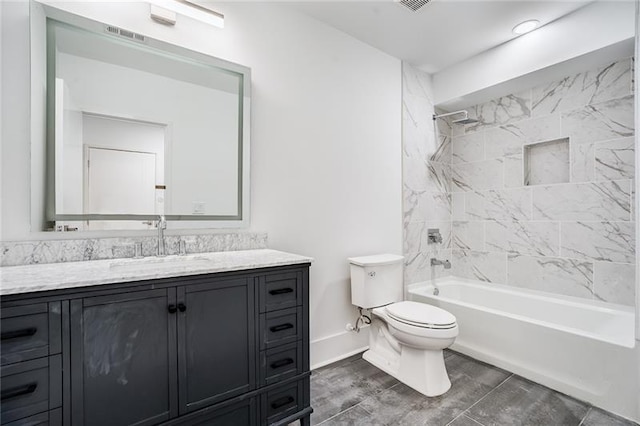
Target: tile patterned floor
[(354, 392)]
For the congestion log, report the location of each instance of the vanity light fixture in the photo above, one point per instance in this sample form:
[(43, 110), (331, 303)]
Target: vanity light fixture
[(526, 26), (164, 11)]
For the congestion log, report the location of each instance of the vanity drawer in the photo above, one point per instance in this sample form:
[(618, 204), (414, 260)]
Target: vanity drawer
[(280, 363), (280, 291), (25, 332), (26, 387), (48, 418), (280, 327), (242, 413), (282, 402)]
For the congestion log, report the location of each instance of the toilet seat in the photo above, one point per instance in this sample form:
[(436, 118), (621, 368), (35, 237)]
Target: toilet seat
[(421, 315), (418, 328)]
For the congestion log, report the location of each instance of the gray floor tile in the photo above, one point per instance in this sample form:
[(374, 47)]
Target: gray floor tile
[(354, 416), (597, 417), (342, 385), (464, 421), (521, 402), (401, 405)]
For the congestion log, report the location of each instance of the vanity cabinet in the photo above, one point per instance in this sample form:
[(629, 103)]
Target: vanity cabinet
[(228, 348), (123, 354)]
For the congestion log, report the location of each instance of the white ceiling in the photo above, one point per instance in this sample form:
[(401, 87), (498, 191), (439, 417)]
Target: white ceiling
[(442, 33)]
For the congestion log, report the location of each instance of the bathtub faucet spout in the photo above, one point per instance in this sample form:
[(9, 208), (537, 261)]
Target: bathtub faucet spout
[(436, 262)]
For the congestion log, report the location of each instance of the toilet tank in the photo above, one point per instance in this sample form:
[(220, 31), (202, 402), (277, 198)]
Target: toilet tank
[(376, 280)]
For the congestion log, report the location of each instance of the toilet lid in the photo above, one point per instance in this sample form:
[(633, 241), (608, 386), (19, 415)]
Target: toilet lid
[(421, 314)]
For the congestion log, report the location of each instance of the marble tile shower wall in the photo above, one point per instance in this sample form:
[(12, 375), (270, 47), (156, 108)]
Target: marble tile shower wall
[(575, 238), (426, 178), (55, 251)]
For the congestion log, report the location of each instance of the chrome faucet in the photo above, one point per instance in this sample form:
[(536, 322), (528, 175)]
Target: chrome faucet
[(434, 236), (436, 262), (161, 225)]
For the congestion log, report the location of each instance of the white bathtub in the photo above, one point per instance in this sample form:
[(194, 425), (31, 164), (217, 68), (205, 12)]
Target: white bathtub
[(578, 347)]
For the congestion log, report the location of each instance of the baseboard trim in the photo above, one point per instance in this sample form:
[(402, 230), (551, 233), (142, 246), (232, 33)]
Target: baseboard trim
[(330, 349)]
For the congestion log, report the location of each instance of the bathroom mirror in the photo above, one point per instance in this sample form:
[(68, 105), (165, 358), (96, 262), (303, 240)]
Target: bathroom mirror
[(138, 128)]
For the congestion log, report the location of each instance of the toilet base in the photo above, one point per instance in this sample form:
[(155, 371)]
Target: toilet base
[(423, 370)]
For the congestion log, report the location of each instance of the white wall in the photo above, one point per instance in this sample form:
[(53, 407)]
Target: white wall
[(591, 28), (201, 120), (326, 140)]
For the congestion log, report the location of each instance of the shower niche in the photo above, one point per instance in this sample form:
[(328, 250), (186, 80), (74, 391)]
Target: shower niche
[(547, 162)]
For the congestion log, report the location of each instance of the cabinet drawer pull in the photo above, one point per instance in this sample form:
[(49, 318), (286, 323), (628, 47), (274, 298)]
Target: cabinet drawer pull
[(281, 402), (281, 327), (172, 309), (8, 335), (280, 291), (18, 391), (182, 307), (282, 363)]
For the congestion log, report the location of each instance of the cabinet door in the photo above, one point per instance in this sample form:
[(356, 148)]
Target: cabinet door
[(216, 341), (123, 357)]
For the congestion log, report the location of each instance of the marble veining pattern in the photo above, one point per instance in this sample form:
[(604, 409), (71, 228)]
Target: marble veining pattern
[(513, 171), (615, 282), (55, 276), (481, 266), (478, 176), (507, 204), (522, 237), (569, 277), (571, 232), (509, 139), (427, 156), (76, 250), (615, 159), (468, 235), (607, 241), (468, 148), (598, 122), (582, 162), (608, 82), (588, 201), (504, 110)]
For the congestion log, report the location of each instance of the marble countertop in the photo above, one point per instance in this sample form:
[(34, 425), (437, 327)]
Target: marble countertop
[(54, 276)]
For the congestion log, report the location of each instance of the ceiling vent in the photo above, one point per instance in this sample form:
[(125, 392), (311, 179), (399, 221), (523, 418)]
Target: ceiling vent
[(124, 33), (413, 5)]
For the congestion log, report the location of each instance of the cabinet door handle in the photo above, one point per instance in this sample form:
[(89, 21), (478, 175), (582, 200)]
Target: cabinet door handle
[(280, 291), (172, 309), (18, 391), (281, 363), (26, 332), (182, 307), (281, 327), (281, 402)]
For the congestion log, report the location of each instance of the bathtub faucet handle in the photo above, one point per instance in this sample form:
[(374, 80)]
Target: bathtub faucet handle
[(436, 262), (434, 236)]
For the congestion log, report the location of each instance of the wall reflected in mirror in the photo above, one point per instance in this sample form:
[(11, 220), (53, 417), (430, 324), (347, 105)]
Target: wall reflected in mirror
[(138, 131)]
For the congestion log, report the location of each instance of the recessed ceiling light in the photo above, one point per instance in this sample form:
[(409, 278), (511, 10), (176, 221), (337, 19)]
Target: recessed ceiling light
[(526, 26)]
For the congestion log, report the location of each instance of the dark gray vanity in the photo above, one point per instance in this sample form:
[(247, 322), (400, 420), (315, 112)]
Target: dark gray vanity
[(223, 348)]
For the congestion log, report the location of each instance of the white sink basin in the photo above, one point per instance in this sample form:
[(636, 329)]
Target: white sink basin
[(159, 263)]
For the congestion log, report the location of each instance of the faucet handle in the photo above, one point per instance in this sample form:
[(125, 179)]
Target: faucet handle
[(161, 222), (434, 236)]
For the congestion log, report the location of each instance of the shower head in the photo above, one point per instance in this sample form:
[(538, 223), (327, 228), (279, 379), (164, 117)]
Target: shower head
[(464, 120)]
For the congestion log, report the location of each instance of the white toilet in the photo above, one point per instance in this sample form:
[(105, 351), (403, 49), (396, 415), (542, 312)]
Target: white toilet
[(406, 339)]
